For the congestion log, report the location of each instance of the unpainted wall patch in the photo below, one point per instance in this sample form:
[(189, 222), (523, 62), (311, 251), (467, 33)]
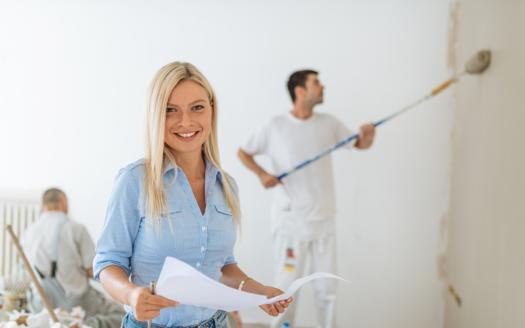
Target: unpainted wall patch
[(452, 48), (441, 260)]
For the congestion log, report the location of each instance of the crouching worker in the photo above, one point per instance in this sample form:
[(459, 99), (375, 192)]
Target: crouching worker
[(61, 252)]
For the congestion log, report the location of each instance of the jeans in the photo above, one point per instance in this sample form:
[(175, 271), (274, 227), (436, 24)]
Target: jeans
[(217, 321)]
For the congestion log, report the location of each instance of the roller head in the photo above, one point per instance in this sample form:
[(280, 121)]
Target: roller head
[(478, 63)]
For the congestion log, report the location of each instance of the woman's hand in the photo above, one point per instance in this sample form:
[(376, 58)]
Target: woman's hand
[(232, 276), (147, 306), (278, 307)]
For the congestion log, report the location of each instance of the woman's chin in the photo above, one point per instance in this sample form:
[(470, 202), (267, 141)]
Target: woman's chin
[(186, 150)]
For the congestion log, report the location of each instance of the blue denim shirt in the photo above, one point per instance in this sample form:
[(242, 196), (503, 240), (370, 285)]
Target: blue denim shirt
[(202, 241)]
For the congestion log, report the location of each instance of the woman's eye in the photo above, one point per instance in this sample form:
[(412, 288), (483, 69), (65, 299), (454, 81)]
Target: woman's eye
[(170, 110), (198, 107)]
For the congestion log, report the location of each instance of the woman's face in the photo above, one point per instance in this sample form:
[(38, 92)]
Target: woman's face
[(188, 118)]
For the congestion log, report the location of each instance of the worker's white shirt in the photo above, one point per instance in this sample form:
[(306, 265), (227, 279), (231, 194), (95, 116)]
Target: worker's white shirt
[(304, 204), (75, 251)]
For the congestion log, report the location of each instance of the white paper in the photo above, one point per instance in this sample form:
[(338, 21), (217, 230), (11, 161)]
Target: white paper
[(180, 282)]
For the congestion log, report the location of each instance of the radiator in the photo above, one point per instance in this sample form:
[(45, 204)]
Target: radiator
[(19, 216)]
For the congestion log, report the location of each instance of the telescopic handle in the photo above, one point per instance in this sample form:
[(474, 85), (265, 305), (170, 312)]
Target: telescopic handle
[(32, 274)]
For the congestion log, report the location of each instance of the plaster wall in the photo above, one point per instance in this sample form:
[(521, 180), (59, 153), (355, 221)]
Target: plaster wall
[(486, 263)]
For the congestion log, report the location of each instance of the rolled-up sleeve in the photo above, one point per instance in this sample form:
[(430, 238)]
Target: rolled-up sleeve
[(121, 225), (230, 259)]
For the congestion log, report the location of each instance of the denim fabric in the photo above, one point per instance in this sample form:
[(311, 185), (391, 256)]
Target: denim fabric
[(130, 241), (217, 321)]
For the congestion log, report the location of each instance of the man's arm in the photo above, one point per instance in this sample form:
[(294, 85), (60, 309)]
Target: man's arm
[(267, 180), (90, 272), (366, 136)]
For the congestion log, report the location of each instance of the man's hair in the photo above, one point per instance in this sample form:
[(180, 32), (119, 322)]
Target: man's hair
[(52, 197), (298, 79)]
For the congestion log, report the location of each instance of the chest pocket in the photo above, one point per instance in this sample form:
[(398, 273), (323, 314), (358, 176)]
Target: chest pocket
[(172, 221), (223, 209), (221, 219), (221, 230)]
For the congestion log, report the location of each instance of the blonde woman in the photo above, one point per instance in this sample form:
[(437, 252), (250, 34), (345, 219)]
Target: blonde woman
[(178, 202)]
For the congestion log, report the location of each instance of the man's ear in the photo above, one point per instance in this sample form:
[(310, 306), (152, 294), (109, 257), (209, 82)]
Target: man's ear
[(64, 204), (299, 92)]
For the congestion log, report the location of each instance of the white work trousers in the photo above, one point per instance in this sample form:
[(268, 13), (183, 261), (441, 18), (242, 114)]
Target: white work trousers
[(290, 258)]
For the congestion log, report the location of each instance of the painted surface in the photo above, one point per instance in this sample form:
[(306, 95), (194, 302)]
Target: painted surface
[(73, 77), (486, 253)]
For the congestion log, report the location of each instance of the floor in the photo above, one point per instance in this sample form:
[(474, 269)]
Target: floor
[(256, 325)]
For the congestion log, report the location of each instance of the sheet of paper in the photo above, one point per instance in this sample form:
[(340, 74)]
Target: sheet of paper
[(180, 282)]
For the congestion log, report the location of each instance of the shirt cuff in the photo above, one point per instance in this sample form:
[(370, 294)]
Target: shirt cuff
[(102, 261)]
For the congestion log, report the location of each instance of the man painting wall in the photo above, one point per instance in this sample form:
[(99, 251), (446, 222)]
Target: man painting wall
[(303, 212)]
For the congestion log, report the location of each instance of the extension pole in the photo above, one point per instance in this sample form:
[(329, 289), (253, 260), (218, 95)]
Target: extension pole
[(401, 111), (475, 65), (32, 274)]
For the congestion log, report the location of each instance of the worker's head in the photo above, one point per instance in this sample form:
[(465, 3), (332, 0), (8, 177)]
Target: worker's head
[(54, 200), (304, 86)]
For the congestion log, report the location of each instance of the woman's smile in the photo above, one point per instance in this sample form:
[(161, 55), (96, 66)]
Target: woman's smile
[(186, 136)]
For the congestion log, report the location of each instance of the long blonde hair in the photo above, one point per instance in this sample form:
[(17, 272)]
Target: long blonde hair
[(157, 153)]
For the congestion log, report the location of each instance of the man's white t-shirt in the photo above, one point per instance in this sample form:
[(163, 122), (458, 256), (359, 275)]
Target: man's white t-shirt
[(75, 251), (304, 204)]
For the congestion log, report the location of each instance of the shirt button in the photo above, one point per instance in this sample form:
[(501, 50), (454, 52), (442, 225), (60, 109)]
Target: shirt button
[(203, 228), (202, 249), (198, 264)]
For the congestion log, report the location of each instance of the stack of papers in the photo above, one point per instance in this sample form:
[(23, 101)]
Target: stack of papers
[(180, 282)]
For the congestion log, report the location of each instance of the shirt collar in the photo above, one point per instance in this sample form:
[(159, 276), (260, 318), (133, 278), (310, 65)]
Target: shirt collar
[(169, 167), (211, 170), (52, 214)]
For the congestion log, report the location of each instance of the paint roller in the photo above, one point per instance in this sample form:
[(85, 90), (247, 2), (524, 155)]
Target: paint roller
[(475, 65)]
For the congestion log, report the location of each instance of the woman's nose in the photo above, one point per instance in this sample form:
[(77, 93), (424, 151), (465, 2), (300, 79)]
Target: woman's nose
[(184, 119)]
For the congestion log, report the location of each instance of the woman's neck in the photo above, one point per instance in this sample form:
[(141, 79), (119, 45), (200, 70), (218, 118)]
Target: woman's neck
[(192, 165)]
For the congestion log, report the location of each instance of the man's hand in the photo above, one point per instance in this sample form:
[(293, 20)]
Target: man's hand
[(278, 307), (268, 180), (367, 133)]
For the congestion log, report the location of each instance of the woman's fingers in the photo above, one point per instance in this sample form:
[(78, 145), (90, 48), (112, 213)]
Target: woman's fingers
[(147, 315), (147, 306), (161, 301), (285, 303), (270, 309), (279, 307)]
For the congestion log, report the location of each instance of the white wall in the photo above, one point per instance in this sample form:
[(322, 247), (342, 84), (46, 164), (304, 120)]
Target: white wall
[(486, 263), (73, 76)]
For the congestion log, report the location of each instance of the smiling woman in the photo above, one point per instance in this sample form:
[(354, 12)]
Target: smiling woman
[(180, 99), (180, 190)]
